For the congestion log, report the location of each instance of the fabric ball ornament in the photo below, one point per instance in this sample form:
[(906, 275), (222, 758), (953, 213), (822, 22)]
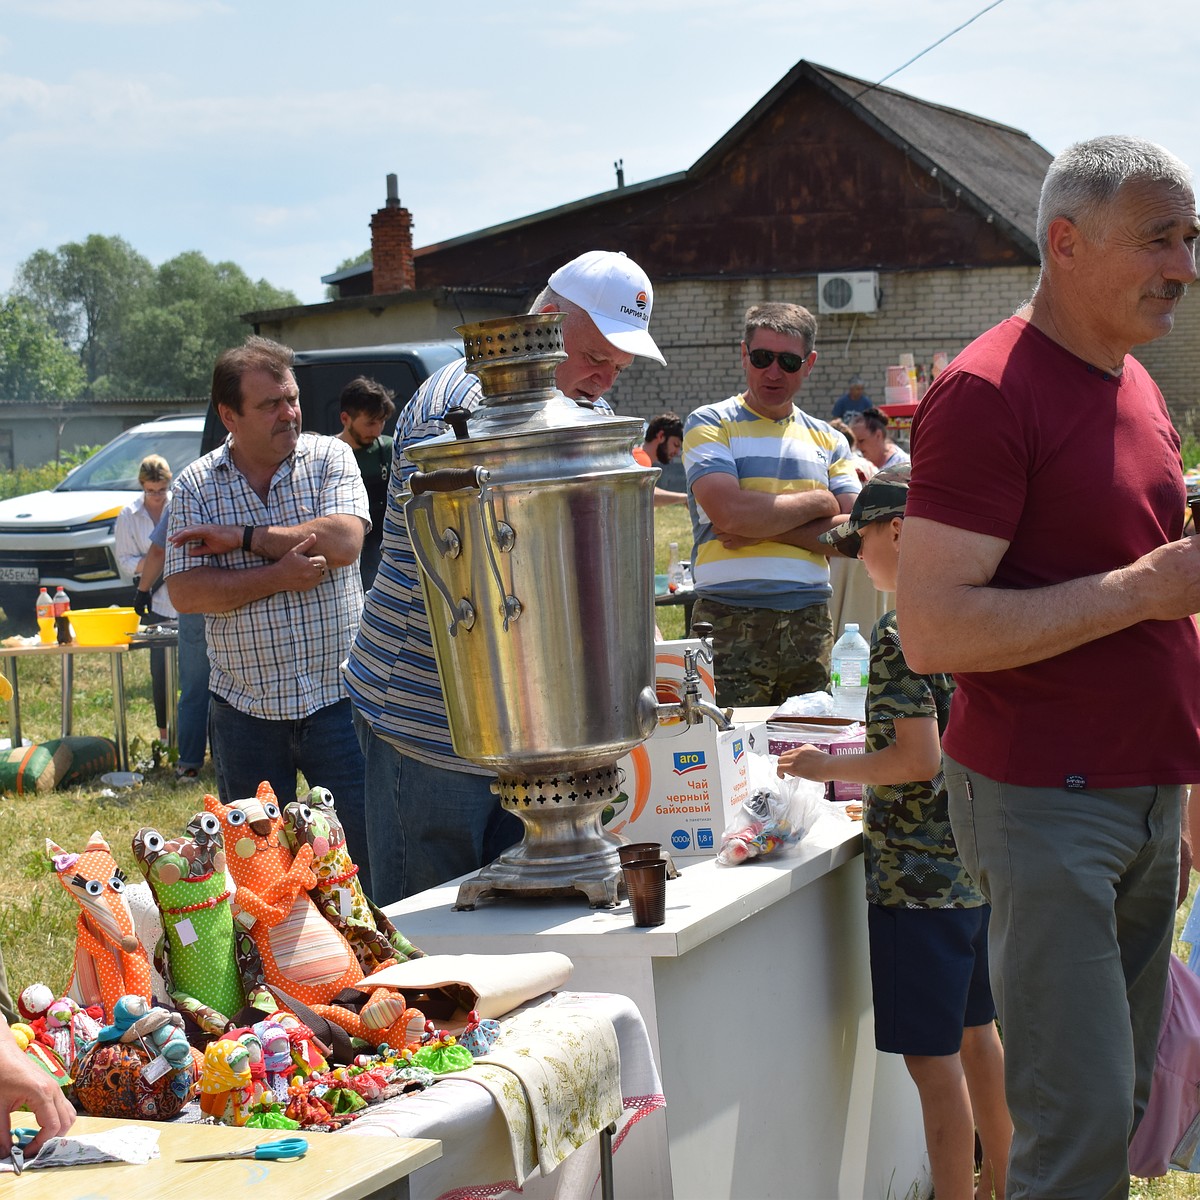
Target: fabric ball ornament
[(110, 1082), (34, 1000)]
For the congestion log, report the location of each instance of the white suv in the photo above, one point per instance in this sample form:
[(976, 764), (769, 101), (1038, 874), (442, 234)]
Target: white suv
[(64, 537)]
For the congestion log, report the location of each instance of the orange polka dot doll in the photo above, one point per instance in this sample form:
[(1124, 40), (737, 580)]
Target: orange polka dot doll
[(303, 955), (110, 962)]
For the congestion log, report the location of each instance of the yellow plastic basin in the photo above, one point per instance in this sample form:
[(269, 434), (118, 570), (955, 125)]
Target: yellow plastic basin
[(103, 626)]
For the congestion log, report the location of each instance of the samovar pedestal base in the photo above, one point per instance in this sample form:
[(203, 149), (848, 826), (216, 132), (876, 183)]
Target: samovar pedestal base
[(565, 851), (600, 882)]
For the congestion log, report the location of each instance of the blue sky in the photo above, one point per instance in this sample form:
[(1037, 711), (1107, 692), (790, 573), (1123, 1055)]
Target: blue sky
[(261, 132)]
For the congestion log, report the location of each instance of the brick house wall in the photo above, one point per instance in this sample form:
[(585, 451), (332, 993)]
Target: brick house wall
[(698, 324)]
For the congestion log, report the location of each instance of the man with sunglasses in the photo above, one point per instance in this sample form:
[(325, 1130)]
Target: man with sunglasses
[(766, 480)]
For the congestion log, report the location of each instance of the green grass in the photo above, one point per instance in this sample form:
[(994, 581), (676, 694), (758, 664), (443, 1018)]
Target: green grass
[(671, 524), (37, 919)]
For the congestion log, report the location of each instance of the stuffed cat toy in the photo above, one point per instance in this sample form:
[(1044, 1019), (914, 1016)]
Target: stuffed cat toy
[(110, 962), (304, 957), (338, 895), (211, 969)]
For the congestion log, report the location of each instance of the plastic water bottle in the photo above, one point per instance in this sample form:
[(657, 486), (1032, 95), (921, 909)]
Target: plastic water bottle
[(62, 622), (851, 662), (674, 569), (44, 607)]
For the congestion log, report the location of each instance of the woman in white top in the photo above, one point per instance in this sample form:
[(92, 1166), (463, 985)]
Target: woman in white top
[(135, 523)]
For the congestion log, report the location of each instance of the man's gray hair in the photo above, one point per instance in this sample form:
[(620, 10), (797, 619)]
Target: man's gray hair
[(548, 296), (1085, 178), (791, 320)]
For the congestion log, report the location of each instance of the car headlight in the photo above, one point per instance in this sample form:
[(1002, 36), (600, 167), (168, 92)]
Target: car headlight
[(92, 564)]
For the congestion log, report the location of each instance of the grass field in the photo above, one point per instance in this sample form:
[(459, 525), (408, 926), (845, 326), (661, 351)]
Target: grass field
[(37, 920)]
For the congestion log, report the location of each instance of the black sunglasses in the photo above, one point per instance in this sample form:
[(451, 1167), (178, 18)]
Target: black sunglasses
[(791, 363)]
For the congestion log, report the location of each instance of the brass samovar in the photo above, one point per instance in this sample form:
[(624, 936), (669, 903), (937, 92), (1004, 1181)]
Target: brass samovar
[(533, 527)]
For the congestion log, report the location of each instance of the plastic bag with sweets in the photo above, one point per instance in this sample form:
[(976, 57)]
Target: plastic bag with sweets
[(776, 815)]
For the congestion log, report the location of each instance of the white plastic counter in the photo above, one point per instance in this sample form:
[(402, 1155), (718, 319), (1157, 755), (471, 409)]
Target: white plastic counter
[(756, 994)]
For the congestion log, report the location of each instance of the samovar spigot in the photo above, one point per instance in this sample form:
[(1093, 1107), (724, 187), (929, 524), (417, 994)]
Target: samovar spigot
[(691, 708)]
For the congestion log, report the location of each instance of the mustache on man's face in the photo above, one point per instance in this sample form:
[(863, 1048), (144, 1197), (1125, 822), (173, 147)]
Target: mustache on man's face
[(1169, 291)]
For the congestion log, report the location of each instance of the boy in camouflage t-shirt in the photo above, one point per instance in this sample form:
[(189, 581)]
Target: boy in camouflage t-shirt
[(926, 918)]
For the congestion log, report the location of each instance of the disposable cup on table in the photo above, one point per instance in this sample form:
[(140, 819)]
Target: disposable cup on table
[(635, 851), (646, 887)]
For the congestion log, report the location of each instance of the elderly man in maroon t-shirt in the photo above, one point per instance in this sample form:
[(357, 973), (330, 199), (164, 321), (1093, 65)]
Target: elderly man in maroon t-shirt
[(1049, 576)]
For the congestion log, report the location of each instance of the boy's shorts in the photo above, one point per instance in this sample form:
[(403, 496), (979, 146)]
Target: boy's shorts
[(929, 976)]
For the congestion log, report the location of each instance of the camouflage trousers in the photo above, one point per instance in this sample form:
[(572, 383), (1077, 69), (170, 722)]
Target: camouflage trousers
[(763, 656)]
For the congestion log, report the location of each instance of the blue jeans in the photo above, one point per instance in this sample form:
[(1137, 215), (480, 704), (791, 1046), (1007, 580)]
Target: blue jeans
[(193, 690), (1082, 887), (246, 750), (427, 824)]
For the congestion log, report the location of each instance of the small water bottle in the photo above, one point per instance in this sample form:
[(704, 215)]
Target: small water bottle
[(62, 620), (674, 569), (851, 663)]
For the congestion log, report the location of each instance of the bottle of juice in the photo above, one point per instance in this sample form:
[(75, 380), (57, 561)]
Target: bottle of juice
[(45, 616)]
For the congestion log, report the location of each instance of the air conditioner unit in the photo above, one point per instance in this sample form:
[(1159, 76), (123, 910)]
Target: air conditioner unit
[(848, 292)]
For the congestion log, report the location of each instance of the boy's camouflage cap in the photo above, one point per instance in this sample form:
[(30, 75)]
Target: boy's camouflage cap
[(883, 497)]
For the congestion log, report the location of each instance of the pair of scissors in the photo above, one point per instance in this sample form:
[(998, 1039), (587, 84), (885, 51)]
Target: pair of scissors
[(20, 1139), (277, 1151)]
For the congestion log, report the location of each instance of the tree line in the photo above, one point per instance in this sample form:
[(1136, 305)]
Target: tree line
[(95, 319)]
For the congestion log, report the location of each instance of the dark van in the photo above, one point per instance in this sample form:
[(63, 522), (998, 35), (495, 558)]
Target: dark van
[(321, 375)]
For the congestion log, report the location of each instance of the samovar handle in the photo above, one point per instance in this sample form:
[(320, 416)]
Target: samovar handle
[(504, 538), (422, 485), (448, 479)]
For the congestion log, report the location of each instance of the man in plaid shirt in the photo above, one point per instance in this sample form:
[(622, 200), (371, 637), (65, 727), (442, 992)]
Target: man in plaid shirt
[(265, 535)]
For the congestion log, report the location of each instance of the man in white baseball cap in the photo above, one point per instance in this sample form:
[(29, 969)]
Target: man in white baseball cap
[(615, 292), (431, 816)]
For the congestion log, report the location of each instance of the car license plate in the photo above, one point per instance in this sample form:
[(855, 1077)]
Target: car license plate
[(18, 574)]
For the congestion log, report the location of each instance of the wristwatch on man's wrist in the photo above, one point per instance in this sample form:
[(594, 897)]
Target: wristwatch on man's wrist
[(247, 534)]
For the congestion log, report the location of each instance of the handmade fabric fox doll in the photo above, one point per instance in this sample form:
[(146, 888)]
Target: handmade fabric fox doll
[(338, 895), (110, 962), (211, 969), (303, 956)]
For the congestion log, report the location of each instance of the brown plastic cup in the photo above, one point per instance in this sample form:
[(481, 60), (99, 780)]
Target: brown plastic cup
[(636, 851), (646, 886)]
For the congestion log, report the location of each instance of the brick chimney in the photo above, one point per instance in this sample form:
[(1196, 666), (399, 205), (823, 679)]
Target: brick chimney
[(392, 268)]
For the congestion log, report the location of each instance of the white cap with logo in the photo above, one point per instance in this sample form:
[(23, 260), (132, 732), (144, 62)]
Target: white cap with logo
[(616, 293)]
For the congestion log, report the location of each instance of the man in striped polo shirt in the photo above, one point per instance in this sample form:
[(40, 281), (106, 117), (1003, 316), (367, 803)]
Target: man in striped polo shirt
[(766, 480), (431, 816)]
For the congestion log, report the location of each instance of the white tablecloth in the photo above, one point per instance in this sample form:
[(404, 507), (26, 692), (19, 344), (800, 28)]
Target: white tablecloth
[(477, 1154)]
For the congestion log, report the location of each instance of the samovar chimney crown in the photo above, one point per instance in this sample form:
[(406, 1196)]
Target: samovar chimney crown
[(514, 356)]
